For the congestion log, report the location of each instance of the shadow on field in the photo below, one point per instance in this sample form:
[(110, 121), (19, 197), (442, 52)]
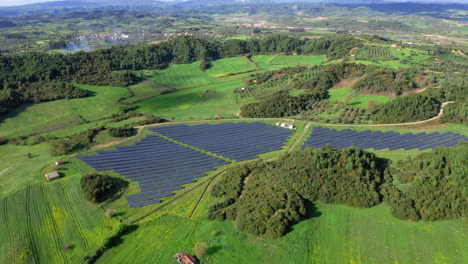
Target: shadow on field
[(312, 212)]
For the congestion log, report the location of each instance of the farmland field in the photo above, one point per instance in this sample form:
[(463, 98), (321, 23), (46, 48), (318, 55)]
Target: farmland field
[(51, 216), (198, 103), (230, 66)]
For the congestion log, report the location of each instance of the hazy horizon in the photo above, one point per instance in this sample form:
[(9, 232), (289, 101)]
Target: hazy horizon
[(5, 3)]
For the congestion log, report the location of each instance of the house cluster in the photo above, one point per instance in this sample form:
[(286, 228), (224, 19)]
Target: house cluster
[(54, 175), (285, 125)]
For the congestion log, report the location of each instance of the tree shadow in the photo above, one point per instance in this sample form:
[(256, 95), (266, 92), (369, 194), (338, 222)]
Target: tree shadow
[(213, 250)]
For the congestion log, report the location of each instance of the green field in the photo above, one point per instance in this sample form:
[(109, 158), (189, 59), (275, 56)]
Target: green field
[(263, 61), (197, 103), (230, 66), (181, 76), (42, 117), (335, 234), (146, 89), (38, 222), (357, 100), (308, 60)]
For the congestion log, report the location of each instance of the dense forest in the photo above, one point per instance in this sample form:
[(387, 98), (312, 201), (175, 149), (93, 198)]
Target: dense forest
[(436, 185), (413, 107), (266, 198), (24, 75)]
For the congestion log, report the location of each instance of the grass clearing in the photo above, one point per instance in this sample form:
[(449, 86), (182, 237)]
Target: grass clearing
[(357, 100)]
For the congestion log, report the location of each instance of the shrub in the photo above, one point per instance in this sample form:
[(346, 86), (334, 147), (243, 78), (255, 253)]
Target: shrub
[(125, 131)]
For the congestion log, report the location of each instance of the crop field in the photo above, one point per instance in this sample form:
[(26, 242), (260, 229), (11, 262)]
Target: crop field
[(46, 116), (263, 61), (198, 103), (230, 66), (308, 60), (357, 100), (51, 216), (334, 234)]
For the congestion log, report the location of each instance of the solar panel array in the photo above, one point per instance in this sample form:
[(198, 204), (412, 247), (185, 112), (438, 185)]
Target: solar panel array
[(236, 141), (390, 140), (158, 165)]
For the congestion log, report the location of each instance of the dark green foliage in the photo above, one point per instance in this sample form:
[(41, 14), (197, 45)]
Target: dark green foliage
[(74, 143), (275, 194), (280, 104), (98, 187), (124, 131), (438, 185), (409, 108), (233, 179), (383, 80), (456, 112), (150, 119), (3, 140)]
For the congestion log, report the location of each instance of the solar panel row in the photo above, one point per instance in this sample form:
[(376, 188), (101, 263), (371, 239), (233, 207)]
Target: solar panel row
[(160, 167), (321, 136), (236, 141)]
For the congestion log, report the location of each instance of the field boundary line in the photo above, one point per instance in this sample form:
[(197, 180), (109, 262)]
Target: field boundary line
[(204, 193)]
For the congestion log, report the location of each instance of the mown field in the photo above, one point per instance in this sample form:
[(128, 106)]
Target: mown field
[(334, 234), (197, 103)]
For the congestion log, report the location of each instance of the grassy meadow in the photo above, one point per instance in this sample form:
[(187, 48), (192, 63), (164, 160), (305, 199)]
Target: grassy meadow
[(203, 102), (54, 223), (357, 100), (43, 117)]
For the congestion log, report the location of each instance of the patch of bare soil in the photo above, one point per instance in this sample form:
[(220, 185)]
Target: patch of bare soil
[(347, 83), (315, 18)]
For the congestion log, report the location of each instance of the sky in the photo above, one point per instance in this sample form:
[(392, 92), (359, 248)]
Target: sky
[(24, 2), (21, 2)]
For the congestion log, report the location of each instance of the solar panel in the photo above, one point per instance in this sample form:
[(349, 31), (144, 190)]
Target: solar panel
[(391, 140)]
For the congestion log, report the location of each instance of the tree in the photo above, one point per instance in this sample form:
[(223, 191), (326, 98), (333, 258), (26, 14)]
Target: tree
[(97, 187)]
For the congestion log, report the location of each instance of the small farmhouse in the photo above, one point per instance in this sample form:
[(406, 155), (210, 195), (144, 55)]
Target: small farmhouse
[(285, 125), (52, 176), (218, 117), (185, 258), (59, 162)]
